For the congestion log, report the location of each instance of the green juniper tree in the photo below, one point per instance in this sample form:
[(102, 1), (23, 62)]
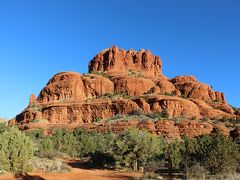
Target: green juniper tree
[(16, 150), (136, 147)]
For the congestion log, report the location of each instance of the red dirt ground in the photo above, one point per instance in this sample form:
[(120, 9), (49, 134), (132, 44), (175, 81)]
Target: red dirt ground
[(76, 173)]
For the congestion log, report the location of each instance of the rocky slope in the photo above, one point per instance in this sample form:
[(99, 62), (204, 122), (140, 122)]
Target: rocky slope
[(127, 84)]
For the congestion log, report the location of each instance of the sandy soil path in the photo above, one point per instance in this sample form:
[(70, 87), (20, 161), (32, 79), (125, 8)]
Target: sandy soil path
[(75, 174)]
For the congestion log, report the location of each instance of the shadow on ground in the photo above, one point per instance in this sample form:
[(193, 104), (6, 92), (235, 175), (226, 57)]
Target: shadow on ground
[(26, 176), (81, 164), (86, 163)]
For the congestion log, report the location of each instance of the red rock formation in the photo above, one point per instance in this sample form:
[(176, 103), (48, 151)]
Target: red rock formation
[(96, 85), (130, 85), (164, 86), (62, 87), (32, 100), (223, 129), (127, 82), (223, 107), (142, 104), (175, 106), (79, 112), (167, 129), (190, 87), (207, 111), (118, 61), (194, 128)]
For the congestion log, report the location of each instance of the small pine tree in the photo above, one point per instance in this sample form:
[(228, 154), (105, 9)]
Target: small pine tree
[(16, 150), (173, 154), (46, 146), (223, 155), (64, 141), (136, 147)]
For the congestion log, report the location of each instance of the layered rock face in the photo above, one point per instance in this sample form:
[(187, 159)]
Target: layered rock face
[(190, 87), (63, 86), (119, 61), (123, 82)]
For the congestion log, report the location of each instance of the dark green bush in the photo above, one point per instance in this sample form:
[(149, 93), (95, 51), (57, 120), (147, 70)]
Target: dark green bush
[(100, 73), (173, 154), (135, 147), (46, 148), (137, 112), (64, 141), (35, 134), (212, 153), (216, 153), (158, 115), (169, 94), (184, 96), (16, 150)]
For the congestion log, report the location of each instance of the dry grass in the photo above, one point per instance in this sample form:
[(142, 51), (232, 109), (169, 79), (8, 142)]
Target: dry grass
[(49, 165)]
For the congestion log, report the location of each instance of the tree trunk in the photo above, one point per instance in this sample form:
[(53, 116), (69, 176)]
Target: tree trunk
[(135, 165)]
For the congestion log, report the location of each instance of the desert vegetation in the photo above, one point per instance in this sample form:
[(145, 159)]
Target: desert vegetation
[(133, 149), (16, 150)]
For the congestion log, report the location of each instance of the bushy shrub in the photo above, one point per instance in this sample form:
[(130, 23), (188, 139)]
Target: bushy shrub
[(134, 73), (223, 155), (173, 154), (137, 112), (40, 121), (91, 142), (35, 134), (115, 118), (158, 115), (216, 153), (107, 95), (87, 142), (184, 96), (100, 73), (65, 142), (135, 147), (169, 94), (46, 148), (204, 119), (16, 150)]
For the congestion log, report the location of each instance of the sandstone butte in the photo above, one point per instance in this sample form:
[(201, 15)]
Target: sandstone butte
[(120, 90)]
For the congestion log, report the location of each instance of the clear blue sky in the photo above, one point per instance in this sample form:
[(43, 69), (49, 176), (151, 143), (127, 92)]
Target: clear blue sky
[(41, 38)]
